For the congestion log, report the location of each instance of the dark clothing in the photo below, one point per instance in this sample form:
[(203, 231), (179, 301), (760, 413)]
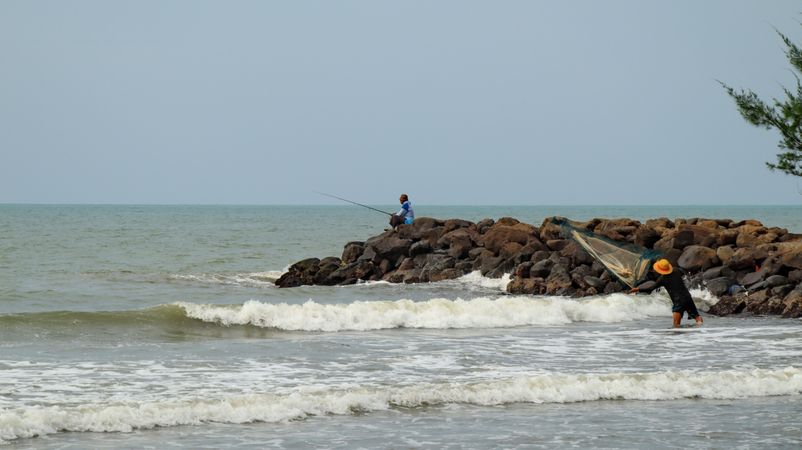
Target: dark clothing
[(396, 220), (680, 297)]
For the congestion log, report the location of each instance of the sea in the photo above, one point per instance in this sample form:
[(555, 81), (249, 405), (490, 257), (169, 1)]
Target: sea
[(161, 327)]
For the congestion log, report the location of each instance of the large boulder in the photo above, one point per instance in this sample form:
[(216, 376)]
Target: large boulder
[(499, 234), (646, 236), (696, 258), (389, 246), (742, 258), (729, 304), (352, 251), (704, 235), (719, 286), (558, 281)]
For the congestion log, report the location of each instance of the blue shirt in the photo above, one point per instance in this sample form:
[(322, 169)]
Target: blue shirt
[(406, 212)]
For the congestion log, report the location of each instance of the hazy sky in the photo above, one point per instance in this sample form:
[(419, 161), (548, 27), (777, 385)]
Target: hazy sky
[(453, 102)]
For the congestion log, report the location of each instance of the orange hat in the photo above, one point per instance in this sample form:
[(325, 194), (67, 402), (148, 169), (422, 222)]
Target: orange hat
[(663, 267)]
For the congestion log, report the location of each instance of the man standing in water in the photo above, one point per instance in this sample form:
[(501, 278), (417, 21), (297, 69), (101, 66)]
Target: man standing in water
[(680, 296), (404, 215)]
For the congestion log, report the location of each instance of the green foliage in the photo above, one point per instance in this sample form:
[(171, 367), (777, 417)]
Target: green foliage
[(784, 115)]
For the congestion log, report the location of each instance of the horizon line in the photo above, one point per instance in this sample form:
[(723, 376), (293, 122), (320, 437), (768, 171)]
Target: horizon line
[(417, 204)]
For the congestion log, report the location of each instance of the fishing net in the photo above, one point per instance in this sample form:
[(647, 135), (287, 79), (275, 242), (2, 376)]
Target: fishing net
[(630, 263)]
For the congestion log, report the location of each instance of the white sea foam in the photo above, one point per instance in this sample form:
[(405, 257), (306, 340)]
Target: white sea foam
[(703, 298), (254, 279), (437, 313), (126, 416), (476, 279)]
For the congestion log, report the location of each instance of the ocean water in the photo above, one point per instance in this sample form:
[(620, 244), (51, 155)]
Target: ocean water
[(160, 327)]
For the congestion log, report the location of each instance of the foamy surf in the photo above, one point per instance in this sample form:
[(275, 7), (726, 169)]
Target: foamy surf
[(254, 279), (34, 421), (440, 313)]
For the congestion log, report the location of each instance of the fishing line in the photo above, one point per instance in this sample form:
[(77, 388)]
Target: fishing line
[(355, 203)]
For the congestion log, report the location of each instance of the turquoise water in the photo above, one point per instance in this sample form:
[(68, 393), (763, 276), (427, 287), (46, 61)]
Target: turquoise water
[(138, 326)]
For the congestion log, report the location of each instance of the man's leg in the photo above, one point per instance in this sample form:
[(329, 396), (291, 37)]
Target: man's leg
[(677, 318)]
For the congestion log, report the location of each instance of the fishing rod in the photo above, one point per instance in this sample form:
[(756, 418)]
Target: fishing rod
[(355, 203)]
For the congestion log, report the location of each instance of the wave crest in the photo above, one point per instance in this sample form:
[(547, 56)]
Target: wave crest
[(264, 407), (437, 313)]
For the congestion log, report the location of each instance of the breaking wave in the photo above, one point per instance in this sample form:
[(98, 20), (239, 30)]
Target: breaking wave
[(255, 279), (437, 313), (126, 416)]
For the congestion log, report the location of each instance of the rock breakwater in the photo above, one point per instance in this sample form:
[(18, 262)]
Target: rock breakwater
[(748, 266)]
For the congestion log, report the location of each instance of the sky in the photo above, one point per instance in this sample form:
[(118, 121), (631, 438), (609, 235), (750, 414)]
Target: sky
[(578, 102)]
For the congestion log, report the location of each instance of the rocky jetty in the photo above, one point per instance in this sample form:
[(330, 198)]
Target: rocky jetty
[(749, 267)]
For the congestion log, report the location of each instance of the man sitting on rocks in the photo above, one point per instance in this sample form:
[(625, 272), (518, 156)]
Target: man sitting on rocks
[(404, 215), (680, 296)]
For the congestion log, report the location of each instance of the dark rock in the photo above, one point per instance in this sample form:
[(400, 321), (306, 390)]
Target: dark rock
[(727, 237), (776, 280), (795, 276), (523, 269), (426, 223), (696, 257), (578, 275), (540, 255), (352, 251), (728, 305), (483, 225), (542, 268), (742, 258), (558, 280), (706, 236), (683, 239), (576, 254), (549, 231), (757, 302), (436, 264), (477, 252), (595, 282), (781, 291), (487, 263), (647, 286), (500, 234), (453, 224), (464, 267), (306, 265), (646, 236), (510, 249), (527, 251), (326, 267), (521, 286), (792, 304), (420, 248), (724, 254), (715, 272), (447, 274), (557, 244), (343, 274), (527, 286), (613, 287), (460, 247), (793, 259), (506, 266), (752, 278), (719, 286), (389, 247)]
